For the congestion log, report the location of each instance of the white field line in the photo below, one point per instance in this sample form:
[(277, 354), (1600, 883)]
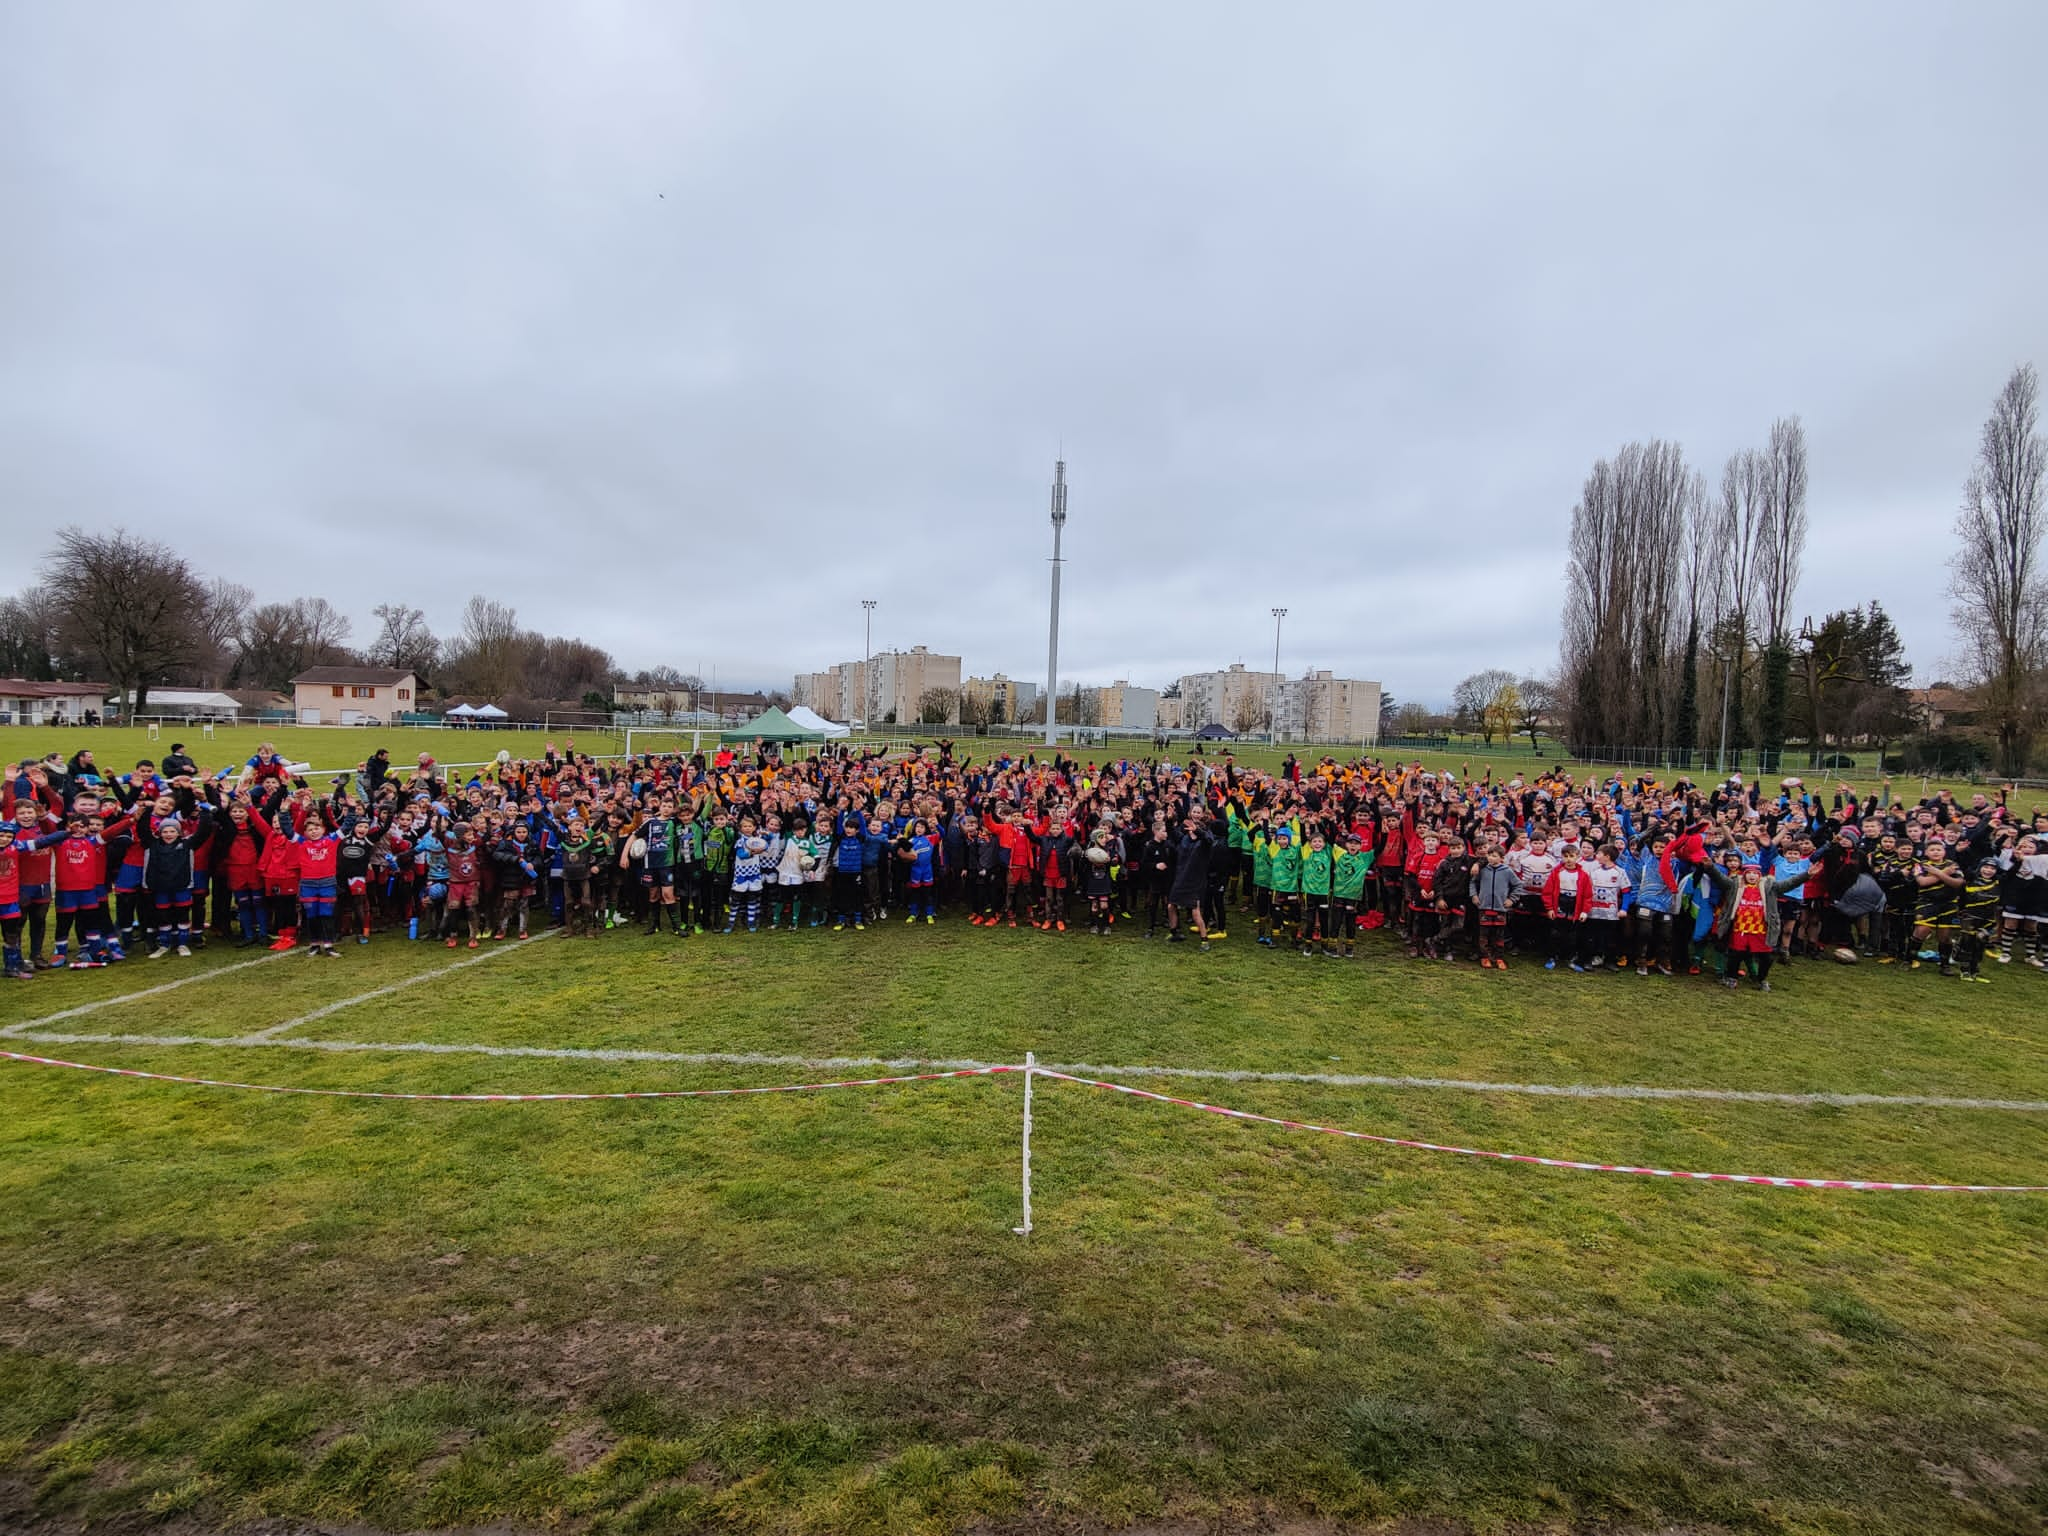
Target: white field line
[(503, 947), (26, 1025), (906, 1063)]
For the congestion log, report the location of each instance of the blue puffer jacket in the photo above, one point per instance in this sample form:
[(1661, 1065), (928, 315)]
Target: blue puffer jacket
[(1647, 872), (847, 855)]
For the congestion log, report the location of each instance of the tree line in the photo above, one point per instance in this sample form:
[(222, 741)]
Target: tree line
[(1679, 631), (134, 612)]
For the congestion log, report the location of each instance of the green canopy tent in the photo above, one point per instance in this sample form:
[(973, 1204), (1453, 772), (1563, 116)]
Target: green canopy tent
[(770, 725)]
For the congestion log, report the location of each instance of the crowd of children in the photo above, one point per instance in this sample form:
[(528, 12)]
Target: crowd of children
[(1602, 872)]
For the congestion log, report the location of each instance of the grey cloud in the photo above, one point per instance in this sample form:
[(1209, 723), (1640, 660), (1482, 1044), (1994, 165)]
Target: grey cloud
[(684, 328)]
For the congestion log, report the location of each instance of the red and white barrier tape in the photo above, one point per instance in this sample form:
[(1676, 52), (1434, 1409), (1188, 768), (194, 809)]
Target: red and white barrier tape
[(1548, 1162), (502, 1098)]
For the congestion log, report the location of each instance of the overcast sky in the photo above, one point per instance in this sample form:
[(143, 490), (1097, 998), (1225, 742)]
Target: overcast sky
[(684, 328)]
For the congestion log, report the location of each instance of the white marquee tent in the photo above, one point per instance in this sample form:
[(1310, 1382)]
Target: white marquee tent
[(811, 720)]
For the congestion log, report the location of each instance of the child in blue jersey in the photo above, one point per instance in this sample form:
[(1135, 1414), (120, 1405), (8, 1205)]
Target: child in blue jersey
[(1697, 901), (848, 859), (1795, 857), (1655, 904), (919, 853)]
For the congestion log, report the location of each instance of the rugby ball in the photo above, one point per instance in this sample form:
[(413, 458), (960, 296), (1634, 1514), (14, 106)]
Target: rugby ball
[(806, 861), (1097, 855), (637, 848), (504, 756), (298, 770), (1847, 956), (757, 845)]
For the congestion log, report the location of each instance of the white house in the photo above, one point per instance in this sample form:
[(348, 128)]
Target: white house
[(25, 703), (353, 695)]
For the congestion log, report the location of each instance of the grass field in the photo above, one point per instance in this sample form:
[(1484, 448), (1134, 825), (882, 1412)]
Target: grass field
[(809, 1312)]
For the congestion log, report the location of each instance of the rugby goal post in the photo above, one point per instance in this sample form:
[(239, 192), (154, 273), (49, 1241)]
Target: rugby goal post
[(662, 739)]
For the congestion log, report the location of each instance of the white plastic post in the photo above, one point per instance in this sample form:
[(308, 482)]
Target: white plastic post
[(1030, 1066)]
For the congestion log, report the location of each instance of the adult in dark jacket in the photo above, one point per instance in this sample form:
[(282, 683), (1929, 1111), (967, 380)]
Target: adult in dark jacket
[(1152, 870), (167, 876), (1191, 854)]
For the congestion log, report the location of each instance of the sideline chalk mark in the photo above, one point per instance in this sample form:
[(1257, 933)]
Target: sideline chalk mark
[(1081, 1069)]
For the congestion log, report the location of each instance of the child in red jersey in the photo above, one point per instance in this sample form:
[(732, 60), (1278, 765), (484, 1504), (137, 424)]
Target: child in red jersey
[(280, 866), (33, 842), (81, 870), (1016, 842), (12, 852), (319, 851), (241, 843)]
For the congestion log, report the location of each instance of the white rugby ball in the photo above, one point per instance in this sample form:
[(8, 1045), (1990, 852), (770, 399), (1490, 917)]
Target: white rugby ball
[(504, 756), (637, 848), (1847, 956), (1097, 855), (757, 845)]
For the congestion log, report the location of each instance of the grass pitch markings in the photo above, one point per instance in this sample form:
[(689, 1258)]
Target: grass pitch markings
[(81, 1009), (264, 1036), (1624, 1091)]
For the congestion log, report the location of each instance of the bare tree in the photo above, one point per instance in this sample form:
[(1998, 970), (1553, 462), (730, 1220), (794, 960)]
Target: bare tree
[(557, 668), (130, 604), (1996, 576), (1247, 713), (1472, 702), (974, 709), (1745, 515), (281, 640), (1783, 546), (1079, 706), (29, 640), (221, 618), (1415, 720), (935, 706), (325, 627), (1622, 596), (1705, 578), (487, 657), (404, 642), (1536, 705)]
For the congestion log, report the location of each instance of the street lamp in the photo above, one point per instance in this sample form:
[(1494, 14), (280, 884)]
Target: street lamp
[(1273, 709), (867, 667), (1052, 647)]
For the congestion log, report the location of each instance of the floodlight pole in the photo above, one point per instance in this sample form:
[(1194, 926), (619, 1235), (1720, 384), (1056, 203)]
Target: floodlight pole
[(1273, 708), (1052, 648), (867, 667)]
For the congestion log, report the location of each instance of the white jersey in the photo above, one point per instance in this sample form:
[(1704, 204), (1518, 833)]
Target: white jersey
[(1608, 886)]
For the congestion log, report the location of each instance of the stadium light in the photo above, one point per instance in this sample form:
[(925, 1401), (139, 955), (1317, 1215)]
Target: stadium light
[(1273, 708), (867, 666), (1052, 648)]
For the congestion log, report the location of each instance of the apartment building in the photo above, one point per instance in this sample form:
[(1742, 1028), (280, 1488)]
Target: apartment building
[(893, 688), (1122, 707), (1319, 706), (1002, 698), (1235, 698)]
